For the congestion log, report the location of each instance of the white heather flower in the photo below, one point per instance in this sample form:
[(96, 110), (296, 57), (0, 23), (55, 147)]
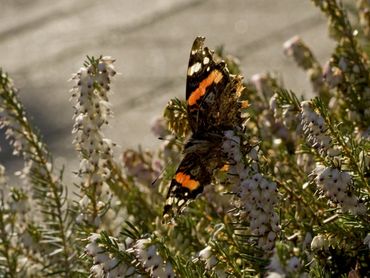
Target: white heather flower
[(148, 256), (367, 240), (3, 178), (80, 218), (92, 249), (343, 63), (158, 272), (271, 236), (101, 258), (206, 252), (253, 154), (273, 104), (169, 270), (20, 206), (96, 222), (319, 242), (275, 265), (275, 275), (332, 75), (111, 264), (293, 264), (158, 127), (130, 271), (307, 240), (289, 117), (105, 264), (97, 270), (207, 257), (306, 161), (262, 83), (354, 116), (293, 47), (154, 259), (284, 266), (165, 271), (117, 271), (333, 152)]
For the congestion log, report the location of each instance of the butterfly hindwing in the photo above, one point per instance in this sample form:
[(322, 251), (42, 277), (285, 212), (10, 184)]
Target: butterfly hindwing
[(189, 181)]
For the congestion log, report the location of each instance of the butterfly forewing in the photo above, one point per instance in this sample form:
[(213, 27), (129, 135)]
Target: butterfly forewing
[(206, 80)]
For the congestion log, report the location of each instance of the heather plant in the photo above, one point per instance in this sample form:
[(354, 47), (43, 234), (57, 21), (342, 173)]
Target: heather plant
[(292, 201)]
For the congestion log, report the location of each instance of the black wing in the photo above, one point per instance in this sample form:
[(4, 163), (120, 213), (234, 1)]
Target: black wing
[(188, 182), (206, 80)]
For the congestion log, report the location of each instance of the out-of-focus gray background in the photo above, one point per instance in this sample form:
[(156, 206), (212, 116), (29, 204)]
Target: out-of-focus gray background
[(43, 42)]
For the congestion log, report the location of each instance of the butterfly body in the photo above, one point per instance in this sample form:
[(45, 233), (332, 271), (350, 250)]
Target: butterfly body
[(212, 107)]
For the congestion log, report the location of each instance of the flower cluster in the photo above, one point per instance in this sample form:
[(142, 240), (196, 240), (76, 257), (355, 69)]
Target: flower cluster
[(303, 56), (21, 136), (258, 195), (367, 240), (106, 264), (141, 165), (350, 59), (333, 182), (46, 191), (170, 146), (265, 85), (146, 252), (288, 257), (306, 162), (16, 234), (336, 185), (364, 15), (333, 75), (280, 267), (341, 71), (314, 127), (13, 119), (92, 111)]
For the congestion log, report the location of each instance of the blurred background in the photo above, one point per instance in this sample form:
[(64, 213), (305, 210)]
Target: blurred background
[(43, 42)]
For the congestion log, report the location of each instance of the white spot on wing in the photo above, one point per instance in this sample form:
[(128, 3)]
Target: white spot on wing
[(170, 201), (205, 60), (194, 68)]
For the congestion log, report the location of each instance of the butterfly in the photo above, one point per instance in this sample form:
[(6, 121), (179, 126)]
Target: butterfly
[(212, 95)]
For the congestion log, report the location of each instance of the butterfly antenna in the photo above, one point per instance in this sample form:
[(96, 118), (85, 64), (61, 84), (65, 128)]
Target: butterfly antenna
[(175, 138), (160, 175)]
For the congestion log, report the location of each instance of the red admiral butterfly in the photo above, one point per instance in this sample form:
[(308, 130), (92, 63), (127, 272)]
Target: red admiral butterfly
[(212, 106)]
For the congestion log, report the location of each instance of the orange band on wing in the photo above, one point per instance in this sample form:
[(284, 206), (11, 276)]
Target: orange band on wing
[(214, 77), (186, 181)]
